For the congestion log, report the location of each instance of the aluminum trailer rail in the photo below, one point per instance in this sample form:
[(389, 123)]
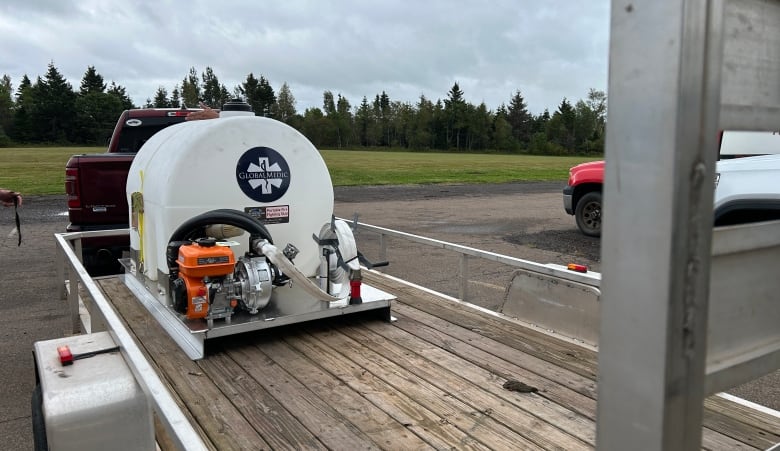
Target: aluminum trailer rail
[(435, 378)]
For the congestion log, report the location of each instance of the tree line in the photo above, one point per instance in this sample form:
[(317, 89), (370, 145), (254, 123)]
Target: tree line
[(50, 111)]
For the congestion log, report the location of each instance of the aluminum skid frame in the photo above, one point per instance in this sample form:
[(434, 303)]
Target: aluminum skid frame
[(288, 305)]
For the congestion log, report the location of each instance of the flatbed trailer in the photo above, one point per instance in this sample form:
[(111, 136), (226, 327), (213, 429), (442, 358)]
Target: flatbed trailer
[(686, 312), (445, 374)]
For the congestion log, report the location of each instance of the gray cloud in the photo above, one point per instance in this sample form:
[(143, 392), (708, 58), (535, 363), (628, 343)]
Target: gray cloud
[(548, 50)]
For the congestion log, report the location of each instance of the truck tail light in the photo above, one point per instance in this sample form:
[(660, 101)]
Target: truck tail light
[(72, 187)]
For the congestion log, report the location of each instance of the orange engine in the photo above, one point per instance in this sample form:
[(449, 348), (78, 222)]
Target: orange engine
[(199, 260)]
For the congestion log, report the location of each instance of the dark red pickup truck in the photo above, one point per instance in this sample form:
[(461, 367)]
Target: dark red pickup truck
[(95, 184)]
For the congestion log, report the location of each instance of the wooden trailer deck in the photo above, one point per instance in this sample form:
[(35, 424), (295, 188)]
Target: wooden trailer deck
[(433, 379)]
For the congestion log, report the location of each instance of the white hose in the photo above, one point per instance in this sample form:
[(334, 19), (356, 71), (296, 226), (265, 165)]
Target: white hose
[(279, 259)]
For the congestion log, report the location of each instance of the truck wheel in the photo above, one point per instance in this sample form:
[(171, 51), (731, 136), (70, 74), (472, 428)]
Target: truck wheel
[(38, 422), (588, 214)]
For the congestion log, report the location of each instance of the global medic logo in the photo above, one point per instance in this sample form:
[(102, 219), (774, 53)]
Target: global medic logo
[(263, 174)]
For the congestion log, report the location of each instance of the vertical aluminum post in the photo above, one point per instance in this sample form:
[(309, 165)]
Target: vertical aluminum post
[(664, 99), (463, 291)]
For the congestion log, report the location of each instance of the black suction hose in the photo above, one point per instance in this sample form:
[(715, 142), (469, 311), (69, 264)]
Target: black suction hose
[(235, 218)]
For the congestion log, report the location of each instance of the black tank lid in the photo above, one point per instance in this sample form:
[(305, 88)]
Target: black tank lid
[(236, 105)]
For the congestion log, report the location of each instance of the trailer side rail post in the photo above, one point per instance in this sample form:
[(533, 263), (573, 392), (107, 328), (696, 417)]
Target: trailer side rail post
[(382, 247), (59, 264), (464, 277), (73, 300)]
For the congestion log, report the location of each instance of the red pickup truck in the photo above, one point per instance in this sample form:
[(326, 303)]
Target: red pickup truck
[(95, 184), (582, 196)]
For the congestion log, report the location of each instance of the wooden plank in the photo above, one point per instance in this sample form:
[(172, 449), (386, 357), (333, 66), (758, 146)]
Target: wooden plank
[(433, 429), (500, 357), (449, 371), (715, 441), (742, 432), (380, 426), (222, 423), (267, 415), (576, 359), (484, 416), (412, 306), (743, 413), (431, 379), (322, 420)]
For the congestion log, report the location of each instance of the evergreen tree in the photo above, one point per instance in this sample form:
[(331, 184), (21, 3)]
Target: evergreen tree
[(176, 97), (328, 125), (561, 128), (55, 104), (539, 139), (455, 109), (421, 136), (284, 108), (265, 98), (161, 98), (190, 90), (520, 119), (403, 116), (480, 127), (501, 138), (6, 111), (121, 93), (96, 114), (258, 94), (224, 95), (344, 121), (22, 130), (441, 130), (364, 121), (92, 82), (382, 113), (540, 121), (214, 94), (313, 125)]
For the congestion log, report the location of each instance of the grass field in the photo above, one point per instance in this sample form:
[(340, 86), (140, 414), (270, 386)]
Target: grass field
[(41, 170)]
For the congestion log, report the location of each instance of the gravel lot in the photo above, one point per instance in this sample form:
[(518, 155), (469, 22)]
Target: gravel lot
[(523, 220)]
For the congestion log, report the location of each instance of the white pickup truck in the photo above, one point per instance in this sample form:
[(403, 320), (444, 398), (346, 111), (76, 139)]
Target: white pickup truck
[(747, 190)]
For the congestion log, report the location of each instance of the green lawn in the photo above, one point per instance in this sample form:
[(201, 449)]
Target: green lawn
[(41, 170)]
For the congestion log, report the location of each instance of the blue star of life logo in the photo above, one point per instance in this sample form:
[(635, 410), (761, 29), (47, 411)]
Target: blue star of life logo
[(263, 174)]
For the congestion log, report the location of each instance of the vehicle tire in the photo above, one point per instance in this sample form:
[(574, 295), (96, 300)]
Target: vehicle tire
[(588, 214), (38, 422)]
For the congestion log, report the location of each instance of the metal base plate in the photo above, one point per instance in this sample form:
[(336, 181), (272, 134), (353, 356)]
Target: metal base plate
[(288, 305)]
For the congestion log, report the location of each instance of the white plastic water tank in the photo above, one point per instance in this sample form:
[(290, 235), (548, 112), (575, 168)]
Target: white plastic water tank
[(246, 163)]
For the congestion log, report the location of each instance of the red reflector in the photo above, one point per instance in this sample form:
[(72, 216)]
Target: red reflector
[(66, 357), (576, 267), (178, 113)]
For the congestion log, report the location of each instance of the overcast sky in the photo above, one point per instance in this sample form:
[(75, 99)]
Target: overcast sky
[(546, 49)]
